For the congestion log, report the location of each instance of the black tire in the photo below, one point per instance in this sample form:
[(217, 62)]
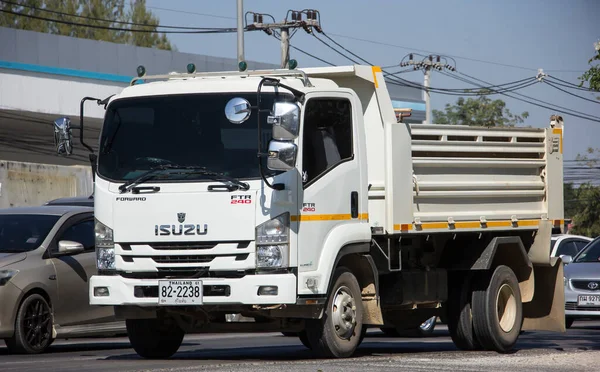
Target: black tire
[(498, 311), (459, 315), (154, 338), (304, 339), (569, 322), (33, 327), (325, 339)]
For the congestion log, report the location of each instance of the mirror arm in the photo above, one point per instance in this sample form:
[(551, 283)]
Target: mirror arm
[(80, 127), (277, 186)]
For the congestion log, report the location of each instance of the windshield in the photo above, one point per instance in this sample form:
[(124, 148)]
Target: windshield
[(140, 134), (24, 232), (591, 253)]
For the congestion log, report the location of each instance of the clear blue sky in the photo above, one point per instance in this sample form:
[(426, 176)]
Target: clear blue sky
[(556, 35)]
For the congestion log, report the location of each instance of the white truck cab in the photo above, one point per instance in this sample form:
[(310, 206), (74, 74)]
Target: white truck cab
[(297, 198)]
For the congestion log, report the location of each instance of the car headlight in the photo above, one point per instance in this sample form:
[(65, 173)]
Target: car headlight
[(272, 242), (6, 275), (105, 247)]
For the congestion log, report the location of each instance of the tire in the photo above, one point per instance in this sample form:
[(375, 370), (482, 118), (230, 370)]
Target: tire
[(459, 315), (33, 326), (569, 322), (498, 311), (338, 333), (154, 338), (304, 339)]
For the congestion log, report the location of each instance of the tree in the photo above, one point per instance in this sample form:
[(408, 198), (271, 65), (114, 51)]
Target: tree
[(587, 219), (111, 10), (480, 111), (592, 76)]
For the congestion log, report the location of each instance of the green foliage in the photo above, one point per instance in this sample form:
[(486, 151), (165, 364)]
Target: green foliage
[(590, 158), (113, 10), (592, 76), (587, 219), (480, 111)]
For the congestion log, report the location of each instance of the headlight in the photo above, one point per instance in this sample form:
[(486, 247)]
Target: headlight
[(105, 247), (6, 275), (272, 243)]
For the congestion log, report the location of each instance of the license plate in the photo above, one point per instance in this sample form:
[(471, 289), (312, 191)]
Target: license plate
[(588, 300), (180, 292)]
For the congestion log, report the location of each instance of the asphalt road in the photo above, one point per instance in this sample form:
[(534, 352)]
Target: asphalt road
[(576, 350)]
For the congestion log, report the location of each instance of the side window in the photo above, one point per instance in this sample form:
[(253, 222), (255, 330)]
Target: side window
[(567, 247), (579, 244), (327, 137), (81, 232)]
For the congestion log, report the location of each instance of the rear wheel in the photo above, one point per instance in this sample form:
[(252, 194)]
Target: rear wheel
[(338, 333), (498, 311), (154, 338), (33, 326), (459, 315)]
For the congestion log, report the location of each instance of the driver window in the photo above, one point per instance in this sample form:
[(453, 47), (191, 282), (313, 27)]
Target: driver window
[(327, 137), (81, 232)]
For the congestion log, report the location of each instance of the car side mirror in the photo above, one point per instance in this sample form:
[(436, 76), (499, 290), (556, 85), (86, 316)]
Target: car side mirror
[(63, 137), (282, 155), (285, 119), (566, 259), (68, 247)]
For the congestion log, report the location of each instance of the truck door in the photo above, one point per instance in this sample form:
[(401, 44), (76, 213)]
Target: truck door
[(332, 184)]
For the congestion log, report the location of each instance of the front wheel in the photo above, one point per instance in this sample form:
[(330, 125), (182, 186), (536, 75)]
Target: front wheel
[(498, 311), (338, 333), (33, 326), (154, 338)]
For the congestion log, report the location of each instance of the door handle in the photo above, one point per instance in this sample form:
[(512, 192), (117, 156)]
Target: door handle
[(52, 277)]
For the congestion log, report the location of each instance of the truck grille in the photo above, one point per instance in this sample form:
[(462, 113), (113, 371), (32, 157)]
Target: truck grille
[(573, 306), (584, 284), (193, 245)]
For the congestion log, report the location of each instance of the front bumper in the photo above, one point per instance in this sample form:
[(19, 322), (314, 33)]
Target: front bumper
[(244, 291), (573, 310), (9, 301)]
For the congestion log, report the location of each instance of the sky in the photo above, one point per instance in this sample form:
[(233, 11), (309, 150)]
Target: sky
[(557, 36)]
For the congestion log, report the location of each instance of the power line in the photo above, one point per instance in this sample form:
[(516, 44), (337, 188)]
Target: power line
[(106, 20), (569, 84), (569, 93), (188, 12), (305, 52), (215, 31)]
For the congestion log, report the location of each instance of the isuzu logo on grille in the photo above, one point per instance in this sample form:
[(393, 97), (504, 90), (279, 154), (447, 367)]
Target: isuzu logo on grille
[(181, 217), (187, 229), (593, 285)]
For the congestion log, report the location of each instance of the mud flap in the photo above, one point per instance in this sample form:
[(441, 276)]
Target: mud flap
[(546, 311)]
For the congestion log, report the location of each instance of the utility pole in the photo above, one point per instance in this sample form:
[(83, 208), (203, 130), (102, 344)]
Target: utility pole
[(427, 64), (293, 20), (240, 30)]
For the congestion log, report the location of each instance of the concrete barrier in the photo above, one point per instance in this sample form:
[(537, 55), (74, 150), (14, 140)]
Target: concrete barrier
[(30, 184)]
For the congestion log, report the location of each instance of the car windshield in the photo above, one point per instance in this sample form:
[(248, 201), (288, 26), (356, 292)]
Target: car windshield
[(142, 133), (24, 232), (591, 253)]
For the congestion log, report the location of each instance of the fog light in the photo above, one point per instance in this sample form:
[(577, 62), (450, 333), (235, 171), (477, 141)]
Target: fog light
[(267, 290), (101, 292)]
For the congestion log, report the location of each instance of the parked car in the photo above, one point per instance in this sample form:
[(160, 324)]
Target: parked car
[(582, 283), (564, 244), (85, 201), (46, 259)]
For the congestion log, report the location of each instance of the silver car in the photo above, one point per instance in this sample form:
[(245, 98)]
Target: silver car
[(582, 283), (46, 259)]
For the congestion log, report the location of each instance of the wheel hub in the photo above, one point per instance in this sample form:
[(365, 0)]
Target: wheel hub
[(506, 308), (343, 311)]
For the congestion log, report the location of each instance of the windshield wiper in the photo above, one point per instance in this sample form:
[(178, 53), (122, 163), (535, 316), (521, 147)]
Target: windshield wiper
[(193, 169)]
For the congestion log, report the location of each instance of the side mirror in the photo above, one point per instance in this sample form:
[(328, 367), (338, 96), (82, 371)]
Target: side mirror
[(67, 247), (285, 119), (282, 155), (63, 137), (566, 259), (237, 110)]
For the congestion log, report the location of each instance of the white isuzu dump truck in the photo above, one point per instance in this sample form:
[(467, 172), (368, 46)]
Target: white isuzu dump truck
[(297, 198)]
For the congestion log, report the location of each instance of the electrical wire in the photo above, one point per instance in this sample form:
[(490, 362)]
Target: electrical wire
[(306, 53), (107, 20), (572, 94), (568, 84), (216, 31)]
